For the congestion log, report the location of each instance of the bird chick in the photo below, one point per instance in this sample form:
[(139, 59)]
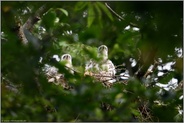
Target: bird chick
[(68, 59)]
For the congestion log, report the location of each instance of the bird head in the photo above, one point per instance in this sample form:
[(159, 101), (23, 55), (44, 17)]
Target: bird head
[(103, 52), (68, 61), (67, 58)]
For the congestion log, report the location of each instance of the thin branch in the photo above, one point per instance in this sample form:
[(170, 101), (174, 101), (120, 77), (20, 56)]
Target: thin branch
[(136, 73), (102, 75), (125, 82), (114, 12), (149, 71), (140, 54), (117, 15), (77, 117), (119, 65), (73, 69)]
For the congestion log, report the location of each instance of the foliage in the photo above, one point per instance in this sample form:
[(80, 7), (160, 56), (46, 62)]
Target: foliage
[(141, 31)]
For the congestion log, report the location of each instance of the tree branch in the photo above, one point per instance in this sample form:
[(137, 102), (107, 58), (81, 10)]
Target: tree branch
[(24, 30), (35, 18)]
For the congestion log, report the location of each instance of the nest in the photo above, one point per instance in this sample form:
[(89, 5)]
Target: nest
[(59, 80), (104, 77)]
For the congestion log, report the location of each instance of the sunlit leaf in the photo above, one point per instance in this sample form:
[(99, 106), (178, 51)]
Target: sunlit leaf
[(99, 14), (49, 19), (80, 5), (99, 114), (91, 15), (28, 96), (135, 112), (63, 10), (104, 8)]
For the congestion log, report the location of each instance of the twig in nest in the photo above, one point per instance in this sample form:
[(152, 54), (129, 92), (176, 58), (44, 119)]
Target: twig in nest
[(123, 82), (119, 66), (145, 114), (140, 54), (150, 70)]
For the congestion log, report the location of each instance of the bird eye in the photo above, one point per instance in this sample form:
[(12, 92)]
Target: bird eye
[(65, 57), (102, 48)]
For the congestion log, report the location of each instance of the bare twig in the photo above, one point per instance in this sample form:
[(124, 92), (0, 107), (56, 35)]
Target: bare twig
[(102, 75), (73, 70), (117, 15), (114, 11), (149, 71), (139, 54), (119, 65), (136, 73), (77, 117), (125, 82)]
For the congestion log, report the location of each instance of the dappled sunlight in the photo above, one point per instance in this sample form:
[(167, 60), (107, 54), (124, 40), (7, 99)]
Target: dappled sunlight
[(92, 61)]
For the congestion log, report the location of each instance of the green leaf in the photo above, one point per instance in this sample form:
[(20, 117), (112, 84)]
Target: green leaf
[(99, 14), (63, 10), (99, 11), (80, 5), (107, 12), (99, 114), (91, 15), (49, 19), (135, 112)]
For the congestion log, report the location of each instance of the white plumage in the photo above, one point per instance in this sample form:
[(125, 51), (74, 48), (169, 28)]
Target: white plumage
[(53, 74), (103, 70), (68, 59), (106, 64)]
